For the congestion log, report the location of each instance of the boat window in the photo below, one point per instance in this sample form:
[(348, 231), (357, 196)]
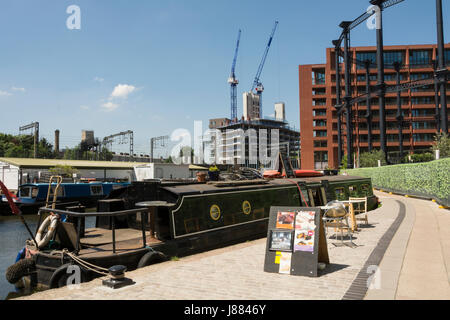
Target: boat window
[(96, 190), (365, 189), (340, 193), (305, 197), (60, 191), (316, 197), (25, 192), (353, 191), (34, 192)]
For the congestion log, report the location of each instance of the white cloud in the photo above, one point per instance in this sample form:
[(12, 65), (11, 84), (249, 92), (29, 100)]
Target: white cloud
[(98, 79), (122, 91), (18, 89), (5, 93), (110, 106)]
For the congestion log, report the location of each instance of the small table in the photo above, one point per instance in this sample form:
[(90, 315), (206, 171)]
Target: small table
[(350, 203), (151, 206)]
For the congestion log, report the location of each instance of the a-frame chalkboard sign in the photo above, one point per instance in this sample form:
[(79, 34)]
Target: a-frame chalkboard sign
[(296, 241)]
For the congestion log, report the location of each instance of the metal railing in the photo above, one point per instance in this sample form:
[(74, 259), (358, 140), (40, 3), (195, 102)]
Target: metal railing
[(79, 215)]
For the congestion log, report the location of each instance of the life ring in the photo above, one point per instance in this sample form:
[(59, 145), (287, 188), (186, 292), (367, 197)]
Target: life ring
[(50, 222)]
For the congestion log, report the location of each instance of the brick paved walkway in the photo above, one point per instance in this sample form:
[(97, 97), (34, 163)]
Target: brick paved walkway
[(417, 262), (236, 272)]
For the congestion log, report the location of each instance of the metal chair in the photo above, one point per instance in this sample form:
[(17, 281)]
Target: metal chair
[(360, 208), (336, 216)]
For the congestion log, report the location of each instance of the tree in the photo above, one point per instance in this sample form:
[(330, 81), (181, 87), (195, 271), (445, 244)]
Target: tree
[(441, 143), (63, 170), (370, 159)]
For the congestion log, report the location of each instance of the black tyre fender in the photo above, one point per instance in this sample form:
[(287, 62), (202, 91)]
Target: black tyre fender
[(61, 275), (150, 258), (20, 269)]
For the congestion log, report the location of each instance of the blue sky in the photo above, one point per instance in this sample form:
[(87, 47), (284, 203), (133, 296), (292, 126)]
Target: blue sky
[(155, 66)]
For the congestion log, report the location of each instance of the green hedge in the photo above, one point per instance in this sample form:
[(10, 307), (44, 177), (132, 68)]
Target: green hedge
[(430, 179)]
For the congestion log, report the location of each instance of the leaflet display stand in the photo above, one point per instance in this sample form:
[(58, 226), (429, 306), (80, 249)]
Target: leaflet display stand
[(296, 241)]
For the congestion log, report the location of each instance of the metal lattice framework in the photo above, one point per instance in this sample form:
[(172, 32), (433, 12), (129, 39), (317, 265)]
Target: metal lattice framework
[(345, 104), (35, 127), (125, 137)]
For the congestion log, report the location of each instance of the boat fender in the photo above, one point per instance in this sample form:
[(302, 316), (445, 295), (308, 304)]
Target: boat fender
[(151, 258), (20, 269), (21, 254), (49, 223), (60, 276)]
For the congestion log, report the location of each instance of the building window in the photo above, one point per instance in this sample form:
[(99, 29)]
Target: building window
[(422, 125), (390, 57), (393, 77), (319, 113), (422, 100), (318, 77), (423, 137), (321, 133), (420, 58), (422, 113), (363, 56), (320, 102), (319, 123), (362, 77), (319, 91), (320, 159), (320, 144)]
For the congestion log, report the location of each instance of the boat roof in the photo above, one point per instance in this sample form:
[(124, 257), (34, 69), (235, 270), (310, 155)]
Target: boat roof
[(72, 184), (224, 186)]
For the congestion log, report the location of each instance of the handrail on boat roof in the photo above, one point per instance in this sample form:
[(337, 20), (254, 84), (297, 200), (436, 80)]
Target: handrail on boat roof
[(93, 214), (80, 215)]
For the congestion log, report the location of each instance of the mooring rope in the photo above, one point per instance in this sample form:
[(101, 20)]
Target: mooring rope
[(87, 265)]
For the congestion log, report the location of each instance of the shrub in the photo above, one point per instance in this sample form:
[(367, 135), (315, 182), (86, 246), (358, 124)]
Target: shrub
[(420, 157), (370, 159), (430, 179)]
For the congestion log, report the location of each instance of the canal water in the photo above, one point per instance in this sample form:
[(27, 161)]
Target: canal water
[(13, 235)]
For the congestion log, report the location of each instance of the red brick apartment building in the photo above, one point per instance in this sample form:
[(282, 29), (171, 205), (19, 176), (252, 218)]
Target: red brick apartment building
[(318, 117)]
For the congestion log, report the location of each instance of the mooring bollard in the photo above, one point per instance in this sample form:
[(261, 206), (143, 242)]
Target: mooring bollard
[(117, 279)]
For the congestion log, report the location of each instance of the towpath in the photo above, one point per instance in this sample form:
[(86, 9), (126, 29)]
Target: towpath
[(405, 252)]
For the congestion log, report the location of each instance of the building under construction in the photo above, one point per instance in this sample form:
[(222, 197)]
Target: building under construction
[(240, 140)]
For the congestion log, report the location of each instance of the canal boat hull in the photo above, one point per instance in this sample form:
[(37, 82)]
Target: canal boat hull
[(195, 217)]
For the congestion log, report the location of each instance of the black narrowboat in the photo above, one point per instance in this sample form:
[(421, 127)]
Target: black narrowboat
[(148, 222)]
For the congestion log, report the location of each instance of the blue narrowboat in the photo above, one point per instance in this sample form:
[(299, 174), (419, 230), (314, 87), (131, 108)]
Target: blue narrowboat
[(31, 196)]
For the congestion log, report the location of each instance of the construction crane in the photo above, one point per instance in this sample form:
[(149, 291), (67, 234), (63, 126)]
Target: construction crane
[(234, 82), (257, 85)]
